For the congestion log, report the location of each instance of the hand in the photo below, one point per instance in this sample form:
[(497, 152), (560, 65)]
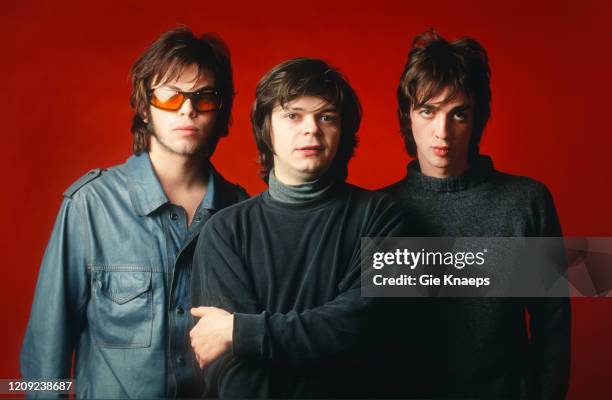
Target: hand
[(211, 337)]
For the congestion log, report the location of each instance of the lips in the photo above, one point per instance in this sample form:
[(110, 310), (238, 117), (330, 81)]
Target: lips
[(186, 129), (310, 150), (440, 151)]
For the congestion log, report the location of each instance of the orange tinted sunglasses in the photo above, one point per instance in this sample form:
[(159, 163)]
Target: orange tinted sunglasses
[(168, 99)]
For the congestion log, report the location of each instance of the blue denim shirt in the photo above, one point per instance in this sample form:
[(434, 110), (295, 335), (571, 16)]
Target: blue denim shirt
[(114, 287)]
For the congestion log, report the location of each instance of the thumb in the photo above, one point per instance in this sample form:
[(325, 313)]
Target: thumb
[(198, 311)]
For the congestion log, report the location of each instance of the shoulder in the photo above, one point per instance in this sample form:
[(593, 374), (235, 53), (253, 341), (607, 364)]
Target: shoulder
[(227, 226), (396, 189), (229, 218), (84, 180), (93, 179), (521, 187), (534, 200), (379, 213), (370, 197), (373, 205), (231, 193)]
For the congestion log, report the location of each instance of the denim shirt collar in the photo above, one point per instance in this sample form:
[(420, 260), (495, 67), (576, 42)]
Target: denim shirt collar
[(147, 194)]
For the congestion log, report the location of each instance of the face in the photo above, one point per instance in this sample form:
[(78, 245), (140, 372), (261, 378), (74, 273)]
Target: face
[(442, 133), (305, 135), (185, 132)]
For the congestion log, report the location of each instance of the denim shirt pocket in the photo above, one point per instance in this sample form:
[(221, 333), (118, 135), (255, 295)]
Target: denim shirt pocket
[(122, 306)]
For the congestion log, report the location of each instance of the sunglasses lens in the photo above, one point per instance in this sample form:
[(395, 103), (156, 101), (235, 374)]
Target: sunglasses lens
[(172, 100), (167, 99), (207, 102)]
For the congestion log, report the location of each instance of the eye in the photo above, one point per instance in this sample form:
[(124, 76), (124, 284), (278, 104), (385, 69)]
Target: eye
[(328, 118), (291, 116), (426, 113), (460, 116)]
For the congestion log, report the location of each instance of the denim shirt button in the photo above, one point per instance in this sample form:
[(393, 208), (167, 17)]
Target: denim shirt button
[(174, 216), (180, 310), (179, 360), (197, 218)]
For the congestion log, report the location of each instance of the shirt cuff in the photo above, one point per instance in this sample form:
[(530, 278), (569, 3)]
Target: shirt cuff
[(249, 336)]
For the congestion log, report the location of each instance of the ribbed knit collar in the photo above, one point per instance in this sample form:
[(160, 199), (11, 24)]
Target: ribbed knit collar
[(299, 194), (479, 170)]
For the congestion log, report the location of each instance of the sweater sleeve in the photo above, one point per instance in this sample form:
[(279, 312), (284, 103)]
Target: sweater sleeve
[(550, 321), (302, 339), (219, 279)]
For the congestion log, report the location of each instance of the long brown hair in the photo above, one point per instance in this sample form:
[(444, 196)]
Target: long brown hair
[(166, 59), (435, 64)]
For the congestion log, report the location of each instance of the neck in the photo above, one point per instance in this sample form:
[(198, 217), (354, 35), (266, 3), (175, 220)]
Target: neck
[(301, 193), (481, 168), (178, 172), (293, 180), (442, 173)]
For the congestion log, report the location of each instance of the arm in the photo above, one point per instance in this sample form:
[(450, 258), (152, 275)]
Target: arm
[(59, 301), (550, 325), (300, 338), (220, 279), (550, 345)]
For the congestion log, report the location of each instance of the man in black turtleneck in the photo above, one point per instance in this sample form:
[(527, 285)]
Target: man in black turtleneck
[(478, 347), (280, 273)]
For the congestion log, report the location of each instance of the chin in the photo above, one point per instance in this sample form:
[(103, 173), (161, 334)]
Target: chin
[(440, 163), (308, 174), (188, 152)]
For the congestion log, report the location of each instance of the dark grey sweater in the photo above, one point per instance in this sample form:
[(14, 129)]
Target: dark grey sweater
[(480, 347)]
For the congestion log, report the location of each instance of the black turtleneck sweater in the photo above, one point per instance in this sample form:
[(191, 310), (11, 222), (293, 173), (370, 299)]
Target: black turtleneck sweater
[(475, 348), (290, 271)]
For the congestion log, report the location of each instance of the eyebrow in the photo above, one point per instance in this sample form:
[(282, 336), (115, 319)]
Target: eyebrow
[(434, 107), (324, 109), (207, 87)]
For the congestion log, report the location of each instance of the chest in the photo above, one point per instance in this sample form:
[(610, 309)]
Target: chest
[(301, 261), (452, 214)]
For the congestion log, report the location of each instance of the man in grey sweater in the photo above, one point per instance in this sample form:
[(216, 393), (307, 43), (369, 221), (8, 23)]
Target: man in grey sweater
[(471, 347)]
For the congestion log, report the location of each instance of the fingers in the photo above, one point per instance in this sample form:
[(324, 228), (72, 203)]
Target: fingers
[(202, 355), (194, 332), (200, 362)]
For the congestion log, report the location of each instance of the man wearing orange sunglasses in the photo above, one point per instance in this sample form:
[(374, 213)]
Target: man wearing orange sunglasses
[(113, 288)]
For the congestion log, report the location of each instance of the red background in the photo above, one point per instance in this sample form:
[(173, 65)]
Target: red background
[(64, 103)]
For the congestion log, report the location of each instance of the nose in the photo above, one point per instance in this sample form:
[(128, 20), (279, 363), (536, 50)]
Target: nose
[(442, 127), (310, 125), (188, 109)]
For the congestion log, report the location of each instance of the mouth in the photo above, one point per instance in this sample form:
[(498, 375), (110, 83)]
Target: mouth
[(310, 150), (440, 151), (186, 130)]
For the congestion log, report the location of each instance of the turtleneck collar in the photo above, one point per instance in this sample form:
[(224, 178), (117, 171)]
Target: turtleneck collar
[(480, 169), (299, 194)]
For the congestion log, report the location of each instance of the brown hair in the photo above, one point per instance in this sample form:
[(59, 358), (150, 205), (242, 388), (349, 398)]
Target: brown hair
[(435, 64), (166, 59), (305, 77)]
